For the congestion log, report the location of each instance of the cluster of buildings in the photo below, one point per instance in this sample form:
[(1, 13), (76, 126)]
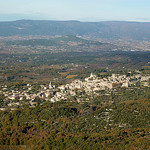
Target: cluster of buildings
[(51, 93), (15, 97), (93, 84)]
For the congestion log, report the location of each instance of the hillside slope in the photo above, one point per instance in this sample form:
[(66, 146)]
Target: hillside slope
[(107, 30)]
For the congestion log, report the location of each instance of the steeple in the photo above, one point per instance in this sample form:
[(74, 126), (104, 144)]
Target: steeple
[(92, 75), (50, 85)]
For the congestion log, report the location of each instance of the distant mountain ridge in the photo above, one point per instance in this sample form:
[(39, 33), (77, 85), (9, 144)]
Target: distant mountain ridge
[(106, 29)]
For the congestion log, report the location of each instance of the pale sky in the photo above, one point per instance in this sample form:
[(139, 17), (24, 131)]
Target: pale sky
[(82, 10)]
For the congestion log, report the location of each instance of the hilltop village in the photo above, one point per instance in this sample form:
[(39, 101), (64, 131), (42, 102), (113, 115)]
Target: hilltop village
[(77, 90)]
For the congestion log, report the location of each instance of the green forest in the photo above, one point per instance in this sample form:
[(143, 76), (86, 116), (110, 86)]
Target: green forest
[(123, 124)]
